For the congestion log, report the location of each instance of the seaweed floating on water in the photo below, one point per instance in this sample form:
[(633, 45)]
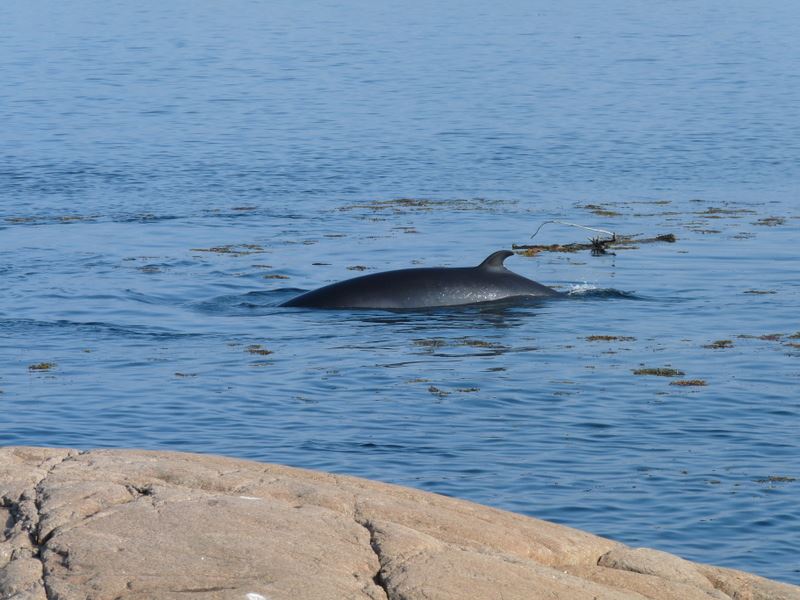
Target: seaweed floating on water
[(719, 344), (149, 269), (42, 366), (689, 382), (659, 372), (430, 343), (770, 221), (601, 211), (475, 343), (767, 337), (714, 212), (776, 479), (437, 392), (258, 349), (463, 341), (406, 205), (533, 250), (233, 249)]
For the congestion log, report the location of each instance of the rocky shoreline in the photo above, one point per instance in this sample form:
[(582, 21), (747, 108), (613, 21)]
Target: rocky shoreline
[(131, 524)]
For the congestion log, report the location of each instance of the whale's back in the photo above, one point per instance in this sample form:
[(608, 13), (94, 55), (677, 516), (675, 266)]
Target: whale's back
[(425, 287)]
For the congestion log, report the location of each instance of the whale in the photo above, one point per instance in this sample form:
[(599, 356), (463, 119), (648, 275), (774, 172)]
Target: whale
[(428, 287)]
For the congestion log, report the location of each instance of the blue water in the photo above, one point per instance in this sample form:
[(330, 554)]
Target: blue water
[(170, 172)]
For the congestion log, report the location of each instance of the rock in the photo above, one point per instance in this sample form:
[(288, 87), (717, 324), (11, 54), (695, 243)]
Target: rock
[(110, 524)]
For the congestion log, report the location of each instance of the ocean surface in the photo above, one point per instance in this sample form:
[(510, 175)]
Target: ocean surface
[(171, 172)]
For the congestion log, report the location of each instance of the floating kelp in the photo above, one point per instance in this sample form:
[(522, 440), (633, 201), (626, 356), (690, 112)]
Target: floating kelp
[(233, 249), (659, 372), (437, 392), (689, 382), (776, 479), (406, 205), (149, 269), (770, 221), (464, 341), (42, 366), (601, 211), (767, 337), (719, 344), (716, 213), (258, 349)]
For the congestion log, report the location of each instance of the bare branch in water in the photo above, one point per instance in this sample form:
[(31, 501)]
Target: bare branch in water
[(611, 233), (598, 246)]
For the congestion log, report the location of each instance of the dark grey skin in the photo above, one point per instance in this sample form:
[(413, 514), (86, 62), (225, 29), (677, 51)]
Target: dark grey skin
[(426, 288)]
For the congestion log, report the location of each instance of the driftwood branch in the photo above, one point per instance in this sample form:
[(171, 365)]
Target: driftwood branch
[(596, 245)]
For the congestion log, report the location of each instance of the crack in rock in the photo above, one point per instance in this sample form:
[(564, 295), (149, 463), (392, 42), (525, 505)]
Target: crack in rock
[(21, 529), (202, 590), (34, 526), (137, 491), (378, 579)]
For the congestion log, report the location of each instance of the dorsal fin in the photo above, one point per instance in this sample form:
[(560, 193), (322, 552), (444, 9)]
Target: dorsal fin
[(495, 260)]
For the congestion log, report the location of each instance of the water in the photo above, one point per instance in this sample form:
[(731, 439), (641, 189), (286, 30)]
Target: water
[(171, 173)]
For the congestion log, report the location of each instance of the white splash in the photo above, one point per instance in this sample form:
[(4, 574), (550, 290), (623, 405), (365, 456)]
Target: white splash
[(254, 596), (581, 288), (249, 497)]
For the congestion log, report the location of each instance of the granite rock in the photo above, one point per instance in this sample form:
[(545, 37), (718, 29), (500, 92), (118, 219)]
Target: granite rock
[(129, 524)]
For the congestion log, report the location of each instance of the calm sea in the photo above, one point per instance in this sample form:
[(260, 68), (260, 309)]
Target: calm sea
[(170, 172)]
